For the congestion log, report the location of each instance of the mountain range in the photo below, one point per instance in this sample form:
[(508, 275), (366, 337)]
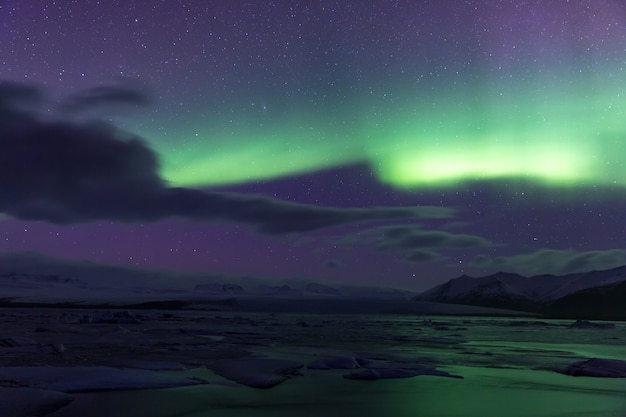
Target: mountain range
[(33, 279), (594, 294)]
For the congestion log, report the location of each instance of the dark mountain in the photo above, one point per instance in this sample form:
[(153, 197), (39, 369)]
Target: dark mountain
[(606, 302), (595, 294)]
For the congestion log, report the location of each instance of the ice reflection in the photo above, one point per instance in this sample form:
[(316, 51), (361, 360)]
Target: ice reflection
[(509, 366)]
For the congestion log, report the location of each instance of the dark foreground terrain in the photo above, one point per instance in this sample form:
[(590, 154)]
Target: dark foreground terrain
[(162, 363)]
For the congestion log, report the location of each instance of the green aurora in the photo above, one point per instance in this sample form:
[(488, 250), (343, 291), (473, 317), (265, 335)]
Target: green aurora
[(564, 132)]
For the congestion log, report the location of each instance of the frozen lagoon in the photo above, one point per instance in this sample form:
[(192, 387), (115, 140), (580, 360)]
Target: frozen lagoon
[(509, 367)]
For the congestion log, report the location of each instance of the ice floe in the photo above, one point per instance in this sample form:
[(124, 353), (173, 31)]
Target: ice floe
[(342, 362), (256, 372), (157, 365), (396, 370), (89, 378), (585, 324), (27, 402), (605, 368), (372, 374)]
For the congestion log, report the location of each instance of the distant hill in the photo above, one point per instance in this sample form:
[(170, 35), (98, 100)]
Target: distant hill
[(604, 302), (595, 294)]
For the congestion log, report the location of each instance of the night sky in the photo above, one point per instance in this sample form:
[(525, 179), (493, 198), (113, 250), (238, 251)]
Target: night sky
[(395, 143)]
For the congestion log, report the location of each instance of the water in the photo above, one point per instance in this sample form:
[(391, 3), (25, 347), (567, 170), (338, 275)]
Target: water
[(508, 368)]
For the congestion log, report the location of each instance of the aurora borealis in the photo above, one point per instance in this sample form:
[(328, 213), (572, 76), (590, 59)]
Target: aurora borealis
[(508, 116)]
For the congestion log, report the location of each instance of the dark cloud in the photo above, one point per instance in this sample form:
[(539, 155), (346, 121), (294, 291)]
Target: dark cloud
[(66, 172), (555, 262), (275, 216), (127, 93), (333, 264), (419, 256), (412, 237), (13, 95), (419, 245)]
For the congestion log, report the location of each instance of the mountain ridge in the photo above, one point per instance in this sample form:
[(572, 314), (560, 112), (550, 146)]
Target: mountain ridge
[(577, 294)]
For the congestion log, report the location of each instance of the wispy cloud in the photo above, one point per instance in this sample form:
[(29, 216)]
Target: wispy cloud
[(553, 261), (418, 244)]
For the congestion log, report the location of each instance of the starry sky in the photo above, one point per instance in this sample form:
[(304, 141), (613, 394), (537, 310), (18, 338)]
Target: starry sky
[(393, 143)]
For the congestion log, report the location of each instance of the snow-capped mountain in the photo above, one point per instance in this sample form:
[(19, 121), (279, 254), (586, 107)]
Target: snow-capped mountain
[(546, 293)]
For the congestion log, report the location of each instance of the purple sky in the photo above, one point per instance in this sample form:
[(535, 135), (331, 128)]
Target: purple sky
[(311, 107)]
